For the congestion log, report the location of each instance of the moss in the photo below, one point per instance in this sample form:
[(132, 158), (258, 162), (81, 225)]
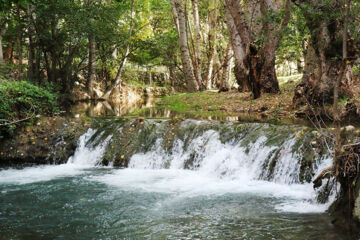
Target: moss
[(270, 164)]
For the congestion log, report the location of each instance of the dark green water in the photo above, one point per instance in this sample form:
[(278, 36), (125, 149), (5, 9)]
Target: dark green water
[(64, 202)]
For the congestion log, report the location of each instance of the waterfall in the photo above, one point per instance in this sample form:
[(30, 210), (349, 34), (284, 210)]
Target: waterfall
[(210, 157), (90, 149), (190, 157), (238, 157)]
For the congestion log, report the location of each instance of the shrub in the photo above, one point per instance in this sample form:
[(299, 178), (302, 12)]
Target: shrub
[(21, 100)]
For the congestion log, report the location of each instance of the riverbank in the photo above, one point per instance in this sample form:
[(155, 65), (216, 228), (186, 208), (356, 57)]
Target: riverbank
[(269, 108)]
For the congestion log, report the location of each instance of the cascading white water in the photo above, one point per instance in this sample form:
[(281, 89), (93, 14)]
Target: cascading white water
[(218, 167), (86, 153), (86, 156), (198, 163), (225, 160)]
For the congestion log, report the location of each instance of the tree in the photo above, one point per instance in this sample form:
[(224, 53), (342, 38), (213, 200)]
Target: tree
[(197, 43), (192, 84), (212, 16), (323, 60), (259, 45), (2, 31)]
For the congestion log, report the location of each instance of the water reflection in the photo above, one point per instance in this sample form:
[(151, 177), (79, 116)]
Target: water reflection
[(146, 107), (109, 109)]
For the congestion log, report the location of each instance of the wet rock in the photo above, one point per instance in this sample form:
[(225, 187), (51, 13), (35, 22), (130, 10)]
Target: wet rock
[(52, 140)]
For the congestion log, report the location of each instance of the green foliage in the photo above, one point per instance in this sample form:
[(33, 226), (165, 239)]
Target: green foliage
[(22, 100)]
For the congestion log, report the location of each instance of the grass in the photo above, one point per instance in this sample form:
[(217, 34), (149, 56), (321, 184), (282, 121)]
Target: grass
[(200, 104), (268, 108)]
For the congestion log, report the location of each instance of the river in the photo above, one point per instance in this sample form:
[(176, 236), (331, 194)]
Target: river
[(216, 181)]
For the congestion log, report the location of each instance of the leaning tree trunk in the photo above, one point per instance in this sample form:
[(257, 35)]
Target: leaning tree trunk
[(192, 84), (117, 83)]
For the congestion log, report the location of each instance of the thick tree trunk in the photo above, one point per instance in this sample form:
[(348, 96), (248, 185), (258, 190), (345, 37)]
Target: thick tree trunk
[(240, 22), (260, 62), (241, 71), (192, 84), (262, 72), (91, 67), (197, 40), (322, 70)]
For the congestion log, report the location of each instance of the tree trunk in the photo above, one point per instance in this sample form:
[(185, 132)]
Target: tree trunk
[(322, 69), (117, 83), (299, 66), (19, 44), (225, 78), (37, 66), (20, 55), (91, 67), (175, 15), (259, 61), (211, 43), (197, 40), (262, 71), (52, 75), (172, 75), (31, 50), (192, 84), (241, 71), (2, 32)]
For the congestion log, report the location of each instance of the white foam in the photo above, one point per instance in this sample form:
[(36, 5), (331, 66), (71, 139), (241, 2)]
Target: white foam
[(85, 157), (220, 168), (89, 156), (187, 183), (37, 174)]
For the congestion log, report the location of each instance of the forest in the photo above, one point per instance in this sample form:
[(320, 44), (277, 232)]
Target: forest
[(114, 82)]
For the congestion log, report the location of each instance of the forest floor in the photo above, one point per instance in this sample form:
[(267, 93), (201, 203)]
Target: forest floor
[(271, 108)]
